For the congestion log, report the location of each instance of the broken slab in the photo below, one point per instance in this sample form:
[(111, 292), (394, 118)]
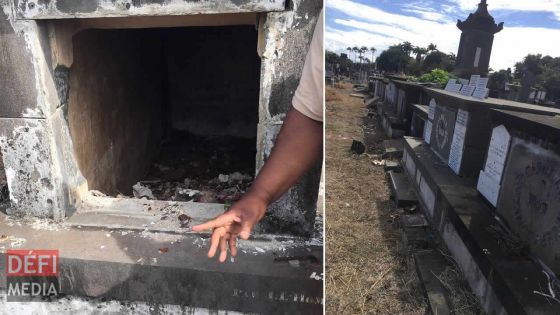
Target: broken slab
[(429, 264), (413, 220), (393, 148), (391, 165), (271, 274), (404, 191)]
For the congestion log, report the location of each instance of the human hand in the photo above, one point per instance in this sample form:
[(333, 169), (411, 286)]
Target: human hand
[(237, 221)]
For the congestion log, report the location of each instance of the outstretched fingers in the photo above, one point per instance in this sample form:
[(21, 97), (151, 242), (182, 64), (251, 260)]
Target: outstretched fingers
[(233, 244), (220, 221), (215, 241), (223, 247)]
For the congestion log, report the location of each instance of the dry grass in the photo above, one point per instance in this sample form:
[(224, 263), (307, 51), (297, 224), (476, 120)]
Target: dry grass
[(461, 299), (365, 272)]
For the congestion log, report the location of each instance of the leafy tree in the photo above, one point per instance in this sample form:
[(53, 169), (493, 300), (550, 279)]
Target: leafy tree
[(437, 59), (394, 59), (331, 57), (344, 64), (546, 71), (497, 80)]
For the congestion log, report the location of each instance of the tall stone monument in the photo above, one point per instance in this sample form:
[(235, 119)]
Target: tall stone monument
[(475, 47)]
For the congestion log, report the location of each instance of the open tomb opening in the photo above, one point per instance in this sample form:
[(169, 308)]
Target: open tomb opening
[(166, 113)]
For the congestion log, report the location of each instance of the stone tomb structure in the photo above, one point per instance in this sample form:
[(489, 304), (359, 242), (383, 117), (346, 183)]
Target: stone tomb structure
[(90, 89), (458, 127), (521, 179), (484, 173), (396, 108)]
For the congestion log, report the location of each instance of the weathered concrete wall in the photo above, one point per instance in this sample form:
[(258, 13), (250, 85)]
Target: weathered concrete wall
[(283, 42), (286, 40), (115, 105), (214, 78), (28, 98), (60, 9), (530, 197)]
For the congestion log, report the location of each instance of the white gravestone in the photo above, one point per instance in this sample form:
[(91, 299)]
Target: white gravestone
[(490, 178), (450, 84), (457, 144), (429, 123), (474, 80), (455, 88), (488, 187), (428, 131), (432, 109), (481, 91), (467, 90)]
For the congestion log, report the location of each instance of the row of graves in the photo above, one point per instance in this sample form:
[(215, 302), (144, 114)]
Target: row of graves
[(486, 175)]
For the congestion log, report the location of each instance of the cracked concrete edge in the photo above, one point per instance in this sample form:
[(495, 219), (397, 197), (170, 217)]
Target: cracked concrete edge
[(63, 9)]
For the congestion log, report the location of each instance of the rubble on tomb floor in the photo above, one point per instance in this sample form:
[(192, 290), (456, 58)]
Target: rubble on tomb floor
[(225, 188)]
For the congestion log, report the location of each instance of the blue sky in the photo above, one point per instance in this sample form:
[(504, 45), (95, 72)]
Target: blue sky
[(530, 26)]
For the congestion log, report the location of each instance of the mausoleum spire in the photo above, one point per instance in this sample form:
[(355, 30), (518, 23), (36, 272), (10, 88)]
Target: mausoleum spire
[(477, 37)]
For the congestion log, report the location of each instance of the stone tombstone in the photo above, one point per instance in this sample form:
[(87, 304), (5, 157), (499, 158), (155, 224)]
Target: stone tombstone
[(458, 142), (530, 198), (443, 126), (429, 122), (490, 178)]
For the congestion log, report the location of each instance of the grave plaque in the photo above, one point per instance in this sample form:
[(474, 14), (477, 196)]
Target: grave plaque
[(488, 187), (442, 131), (467, 90), (480, 93), (482, 83), (432, 109), (530, 199), (497, 152), (455, 88), (490, 178), (474, 80), (457, 144), (428, 131), (450, 84)]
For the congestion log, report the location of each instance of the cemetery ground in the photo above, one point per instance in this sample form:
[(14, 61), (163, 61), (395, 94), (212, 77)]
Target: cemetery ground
[(369, 270)]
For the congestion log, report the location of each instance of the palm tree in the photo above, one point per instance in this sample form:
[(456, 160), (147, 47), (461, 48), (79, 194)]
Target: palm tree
[(349, 52), (432, 47), (373, 50), (407, 47), (355, 49), (419, 51)]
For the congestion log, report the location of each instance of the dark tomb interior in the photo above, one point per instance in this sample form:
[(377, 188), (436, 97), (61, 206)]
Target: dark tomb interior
[(169, 108)]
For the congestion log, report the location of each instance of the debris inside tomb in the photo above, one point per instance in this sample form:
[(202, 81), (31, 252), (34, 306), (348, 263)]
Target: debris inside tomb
[(208, 170)]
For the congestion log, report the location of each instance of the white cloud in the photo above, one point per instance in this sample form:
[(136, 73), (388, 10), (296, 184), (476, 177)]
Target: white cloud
[(370, 26), (514, 43), (552, 6)]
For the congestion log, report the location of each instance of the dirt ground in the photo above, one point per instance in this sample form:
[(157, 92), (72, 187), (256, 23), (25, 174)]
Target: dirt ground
[(365, 272)]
